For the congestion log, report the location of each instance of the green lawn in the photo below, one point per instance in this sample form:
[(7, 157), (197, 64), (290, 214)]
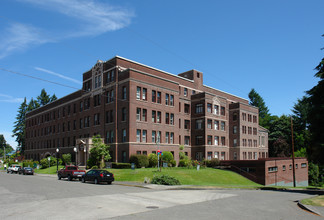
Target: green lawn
[(202, 177), (51, 170), (315, 201)]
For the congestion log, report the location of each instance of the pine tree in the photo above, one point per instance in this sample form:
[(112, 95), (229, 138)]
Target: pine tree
[(33, 104), (257, 101), (316, 116), (264, 117), (53, 98), (43, 98), (19, 126), (300, 121)]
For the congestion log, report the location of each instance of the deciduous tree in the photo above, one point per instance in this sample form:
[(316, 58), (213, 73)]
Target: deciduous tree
[(100, 151), (4, 146)]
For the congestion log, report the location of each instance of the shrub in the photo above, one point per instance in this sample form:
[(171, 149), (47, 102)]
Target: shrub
[(91, 162), (184, 163), (44, 163), (10, 162), (67, 158), (121, 165), (153, 160), (172, 163), (53, 161), (139, 160), (94, 167), (134, 159), (212, 163), (167, 156), (165, 180), (313, 174), (28, 163), (195, 163), (183, 156)]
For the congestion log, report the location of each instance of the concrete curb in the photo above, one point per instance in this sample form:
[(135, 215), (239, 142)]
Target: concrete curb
[(308, 208)]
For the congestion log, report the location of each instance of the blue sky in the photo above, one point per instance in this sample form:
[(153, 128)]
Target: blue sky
[(272, 46)]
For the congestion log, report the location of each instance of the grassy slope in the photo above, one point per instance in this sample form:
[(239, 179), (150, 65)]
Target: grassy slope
[(315, 201), (51, 170), (203, 177)]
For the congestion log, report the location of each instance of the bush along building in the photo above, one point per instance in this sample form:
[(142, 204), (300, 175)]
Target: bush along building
[(139, 109)]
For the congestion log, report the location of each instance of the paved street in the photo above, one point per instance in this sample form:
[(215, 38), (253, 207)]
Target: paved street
[(43, 197)]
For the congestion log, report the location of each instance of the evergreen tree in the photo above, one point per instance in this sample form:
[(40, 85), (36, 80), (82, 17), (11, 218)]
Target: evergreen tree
[(53, 98), (43, 98), (19, 126), (300, 113), (257, 101), (33, 104), (316, 117), (300, 122), (264, 117)]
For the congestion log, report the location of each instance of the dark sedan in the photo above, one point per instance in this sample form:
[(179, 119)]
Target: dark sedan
[(26, 171), (98, 176)]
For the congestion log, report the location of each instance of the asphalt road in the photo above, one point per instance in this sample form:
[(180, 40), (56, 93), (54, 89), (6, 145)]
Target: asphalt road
[(41, 197)]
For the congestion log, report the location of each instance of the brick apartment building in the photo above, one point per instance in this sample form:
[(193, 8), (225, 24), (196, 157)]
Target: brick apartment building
[(138, 109)]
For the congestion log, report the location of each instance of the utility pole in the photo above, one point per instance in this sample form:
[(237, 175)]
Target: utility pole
[(116, 114), (293, 151), (4, 150)]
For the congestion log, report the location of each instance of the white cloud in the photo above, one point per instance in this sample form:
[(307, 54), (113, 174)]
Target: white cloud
[(94, 18), (18, 37), (85, 18), (58, 75), (10, 99)]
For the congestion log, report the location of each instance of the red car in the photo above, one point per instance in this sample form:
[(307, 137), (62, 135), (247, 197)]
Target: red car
[(70, 172)]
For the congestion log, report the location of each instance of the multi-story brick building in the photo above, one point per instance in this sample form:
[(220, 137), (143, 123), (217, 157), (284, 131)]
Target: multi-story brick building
[(138, 109)]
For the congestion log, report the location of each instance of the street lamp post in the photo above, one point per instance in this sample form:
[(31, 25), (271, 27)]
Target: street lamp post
[(76, 155), (57, 151), (85, 156)]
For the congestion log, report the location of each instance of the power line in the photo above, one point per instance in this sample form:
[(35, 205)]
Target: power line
[(37, 78), (177, 55), (134, 32)]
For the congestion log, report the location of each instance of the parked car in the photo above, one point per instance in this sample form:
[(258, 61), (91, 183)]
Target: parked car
[(13, 168), (26, 171), (98, 176), (70, 172)]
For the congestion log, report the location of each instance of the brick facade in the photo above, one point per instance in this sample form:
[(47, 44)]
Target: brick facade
[(155, 110), (272, 171)]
